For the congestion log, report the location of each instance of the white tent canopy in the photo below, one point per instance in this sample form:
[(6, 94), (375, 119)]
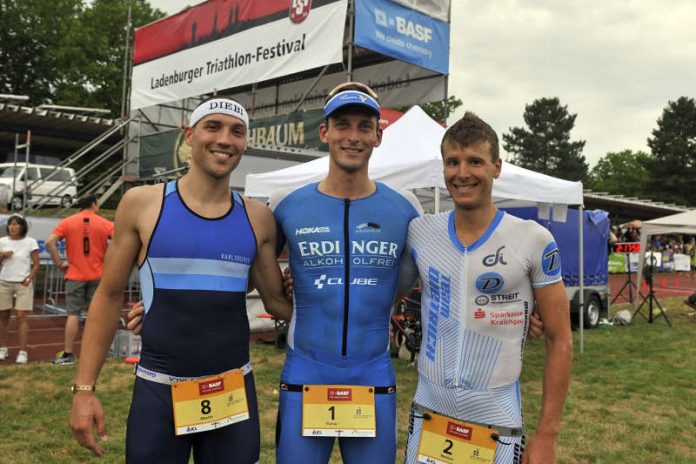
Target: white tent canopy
[(409, 157), (682, 223)]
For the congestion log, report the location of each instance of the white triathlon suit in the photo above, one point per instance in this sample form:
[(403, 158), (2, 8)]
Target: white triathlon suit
[(475, 306)]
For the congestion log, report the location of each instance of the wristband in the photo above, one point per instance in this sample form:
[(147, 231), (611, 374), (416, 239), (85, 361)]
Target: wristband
[(76, 388)]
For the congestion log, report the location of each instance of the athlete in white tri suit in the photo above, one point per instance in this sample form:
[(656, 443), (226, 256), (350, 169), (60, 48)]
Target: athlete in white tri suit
[(481, 271), (475, 307)]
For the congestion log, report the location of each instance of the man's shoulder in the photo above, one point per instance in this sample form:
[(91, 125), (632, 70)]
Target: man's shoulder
[(431, 221), (144, 193), (142, 197), (400, 197), (287, 195), (512, 225), (255, 208)]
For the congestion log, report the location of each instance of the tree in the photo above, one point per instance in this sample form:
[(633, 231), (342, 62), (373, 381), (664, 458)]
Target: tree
[(673, 145), (63, 52), (441, 110), (545, 146), (621, 173), (94, 78), (438, 110), (32, 35)]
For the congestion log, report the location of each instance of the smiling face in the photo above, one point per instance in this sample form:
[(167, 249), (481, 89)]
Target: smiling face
[(217, 142), (351, 136), (469, 173)]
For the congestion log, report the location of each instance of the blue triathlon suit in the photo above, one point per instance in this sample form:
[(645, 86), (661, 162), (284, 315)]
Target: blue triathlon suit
[(194, 282), (344, 257)]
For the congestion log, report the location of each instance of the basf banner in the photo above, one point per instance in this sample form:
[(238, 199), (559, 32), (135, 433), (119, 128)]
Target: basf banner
[(402, 33), (228, 43)]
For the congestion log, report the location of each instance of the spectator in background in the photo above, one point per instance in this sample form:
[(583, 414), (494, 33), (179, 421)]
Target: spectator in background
[(86, 235), (20, 264), (632, 235)]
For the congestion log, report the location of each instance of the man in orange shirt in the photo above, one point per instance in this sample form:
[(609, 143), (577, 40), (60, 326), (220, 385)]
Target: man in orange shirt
[(86, 235)]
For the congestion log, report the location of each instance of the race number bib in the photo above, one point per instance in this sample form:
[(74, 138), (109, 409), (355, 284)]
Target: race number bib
[(209, 403), (338, 411), (449, 441)]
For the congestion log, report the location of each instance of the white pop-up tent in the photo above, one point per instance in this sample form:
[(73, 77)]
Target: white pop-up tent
[(409, 157), (681, 223)]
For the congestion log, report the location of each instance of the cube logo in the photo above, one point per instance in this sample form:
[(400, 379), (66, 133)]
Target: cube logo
[(299, 10)]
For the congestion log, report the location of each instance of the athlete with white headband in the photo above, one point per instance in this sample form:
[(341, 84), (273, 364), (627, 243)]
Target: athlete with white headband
[(196, 246)]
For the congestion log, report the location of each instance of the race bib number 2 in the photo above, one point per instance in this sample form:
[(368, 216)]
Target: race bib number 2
[(338, 411), (209, 403), (449, 441)]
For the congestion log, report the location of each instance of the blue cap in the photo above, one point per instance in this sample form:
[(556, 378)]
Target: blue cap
[(351, 97)]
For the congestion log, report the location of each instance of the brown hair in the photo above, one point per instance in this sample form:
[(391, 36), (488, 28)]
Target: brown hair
[(471, 130)]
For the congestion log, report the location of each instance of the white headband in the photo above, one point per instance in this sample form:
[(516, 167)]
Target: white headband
[(219, 106)]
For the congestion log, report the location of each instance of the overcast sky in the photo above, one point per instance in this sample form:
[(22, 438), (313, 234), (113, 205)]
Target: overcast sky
[(616, 64)]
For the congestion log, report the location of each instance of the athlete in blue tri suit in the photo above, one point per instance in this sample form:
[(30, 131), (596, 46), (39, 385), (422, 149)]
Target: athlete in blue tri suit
[(481, 273), (197, 245), (346, 238)]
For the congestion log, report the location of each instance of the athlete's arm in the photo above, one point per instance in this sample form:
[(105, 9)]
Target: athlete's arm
[(265, 272), (102, 318), (553, 305)]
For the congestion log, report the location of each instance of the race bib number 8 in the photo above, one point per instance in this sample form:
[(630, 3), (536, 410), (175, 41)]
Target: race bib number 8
[(209, 403), (449, 441), (338, 411)]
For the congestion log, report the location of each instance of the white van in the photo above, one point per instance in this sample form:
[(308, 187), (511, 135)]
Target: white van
[(60, 188)]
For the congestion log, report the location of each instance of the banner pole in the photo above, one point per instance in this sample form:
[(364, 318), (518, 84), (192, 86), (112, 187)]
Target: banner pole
[(351, 37)]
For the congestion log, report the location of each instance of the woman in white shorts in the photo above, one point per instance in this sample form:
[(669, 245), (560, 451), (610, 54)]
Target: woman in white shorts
[(19, 256)]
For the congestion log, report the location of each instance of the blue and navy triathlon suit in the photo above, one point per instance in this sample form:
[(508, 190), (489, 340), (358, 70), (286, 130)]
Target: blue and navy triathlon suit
[(194, 282), (344, 257)]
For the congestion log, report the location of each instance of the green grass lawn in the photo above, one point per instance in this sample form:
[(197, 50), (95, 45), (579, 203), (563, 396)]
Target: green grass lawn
[(631, 399)]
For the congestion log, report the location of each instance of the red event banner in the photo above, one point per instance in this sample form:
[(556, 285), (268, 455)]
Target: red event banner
[(203, 23), (222, 44)]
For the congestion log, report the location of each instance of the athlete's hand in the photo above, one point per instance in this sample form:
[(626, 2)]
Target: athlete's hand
[(540, 450), (536, 327), (288, 283), (86, 412), (135, 317)]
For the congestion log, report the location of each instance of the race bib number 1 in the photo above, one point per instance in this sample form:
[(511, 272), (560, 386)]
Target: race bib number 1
[(209, 403), (449, 441), (338, 411)]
